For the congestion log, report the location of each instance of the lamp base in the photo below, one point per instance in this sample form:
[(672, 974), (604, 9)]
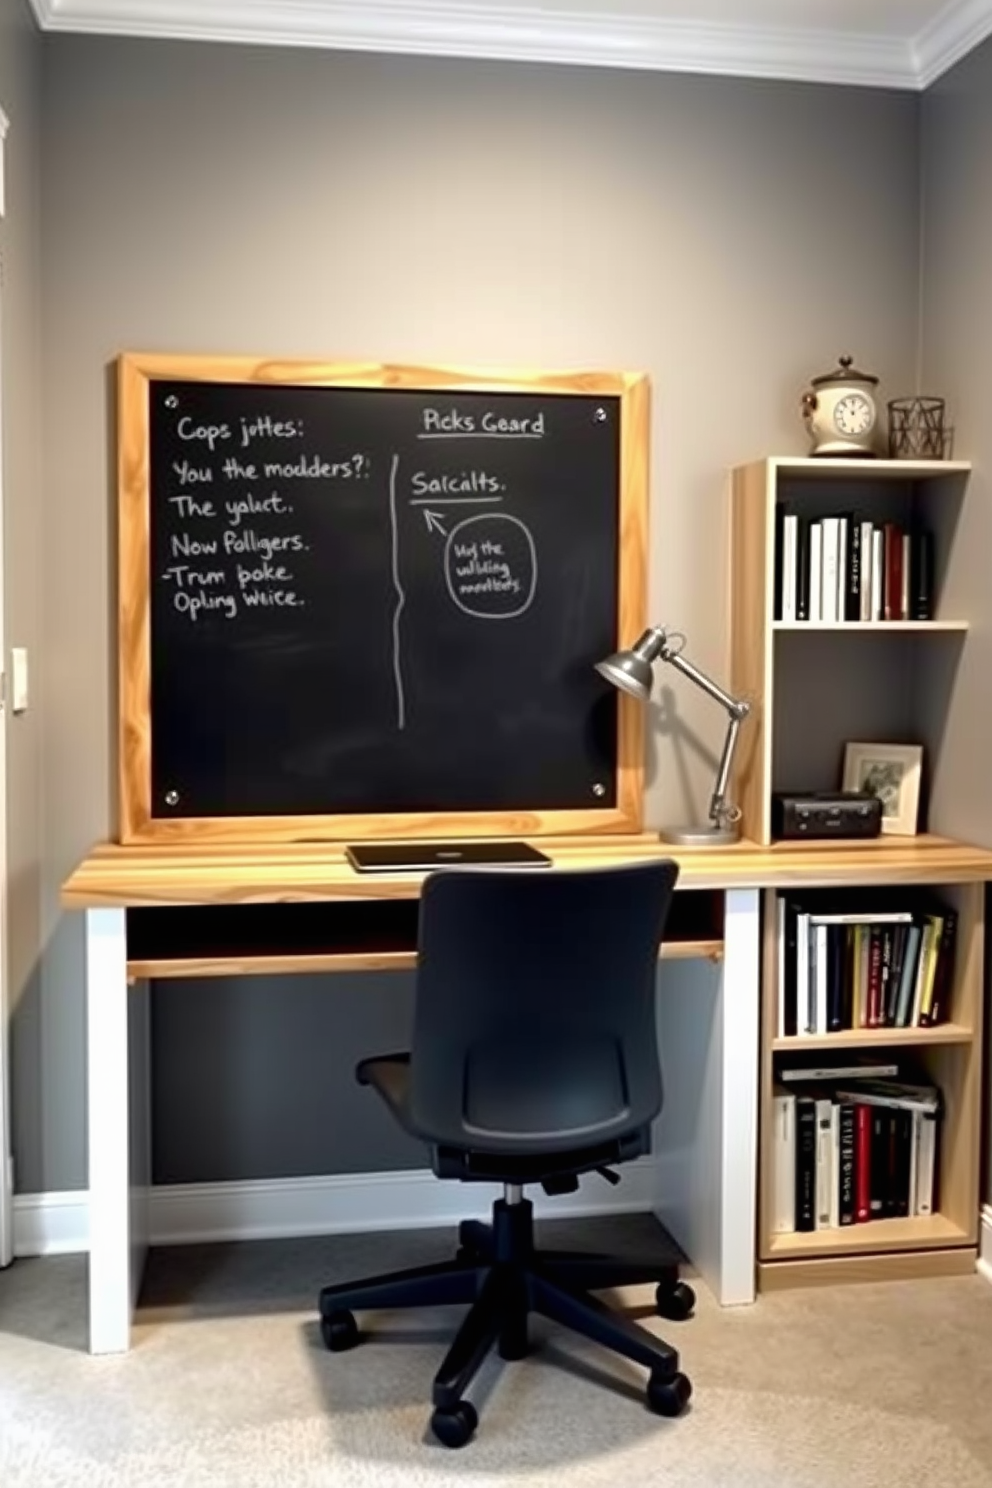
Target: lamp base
[(703, 835)]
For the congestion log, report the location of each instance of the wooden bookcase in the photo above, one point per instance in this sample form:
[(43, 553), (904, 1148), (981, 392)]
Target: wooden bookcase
[(813, 686), (950, 1054)]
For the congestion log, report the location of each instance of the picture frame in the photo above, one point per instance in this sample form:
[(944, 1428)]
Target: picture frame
[(892, 772)]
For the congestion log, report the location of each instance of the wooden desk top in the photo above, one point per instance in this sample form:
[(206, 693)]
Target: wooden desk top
[(115, 876)]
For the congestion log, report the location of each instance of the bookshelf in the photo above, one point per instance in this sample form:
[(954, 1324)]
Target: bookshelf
[(950, 1055), (813, 686)]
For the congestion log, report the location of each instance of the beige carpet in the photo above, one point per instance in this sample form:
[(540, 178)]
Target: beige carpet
[(228, 1383)]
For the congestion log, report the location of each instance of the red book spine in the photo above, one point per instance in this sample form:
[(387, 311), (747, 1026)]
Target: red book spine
[(862, 1164), (892, 597)]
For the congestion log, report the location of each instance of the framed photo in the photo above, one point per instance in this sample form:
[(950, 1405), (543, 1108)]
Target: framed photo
[(891, 772)]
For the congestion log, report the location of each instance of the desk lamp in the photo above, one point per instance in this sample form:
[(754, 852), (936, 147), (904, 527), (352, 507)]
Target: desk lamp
[(631, 672)]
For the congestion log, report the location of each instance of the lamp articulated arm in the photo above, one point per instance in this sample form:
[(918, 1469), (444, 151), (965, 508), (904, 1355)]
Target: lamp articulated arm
[(631, 671), (721, 812)]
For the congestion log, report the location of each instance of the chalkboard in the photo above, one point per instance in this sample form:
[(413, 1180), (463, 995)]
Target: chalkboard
[(368, 600)]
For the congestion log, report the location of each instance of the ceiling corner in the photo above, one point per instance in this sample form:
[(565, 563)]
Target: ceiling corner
[(952, 34)]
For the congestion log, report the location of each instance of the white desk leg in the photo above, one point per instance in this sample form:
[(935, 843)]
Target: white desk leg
[(118, 1130), (706, 1139), (739, 1022)]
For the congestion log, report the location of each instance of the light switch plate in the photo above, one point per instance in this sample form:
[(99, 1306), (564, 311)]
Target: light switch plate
[(18, 679)]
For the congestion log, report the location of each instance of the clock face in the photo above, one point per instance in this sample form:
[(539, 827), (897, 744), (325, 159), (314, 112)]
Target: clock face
[(853, 415)]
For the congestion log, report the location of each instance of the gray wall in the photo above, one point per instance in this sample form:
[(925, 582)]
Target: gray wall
[(957, 364), (20, 252), (730, 238)]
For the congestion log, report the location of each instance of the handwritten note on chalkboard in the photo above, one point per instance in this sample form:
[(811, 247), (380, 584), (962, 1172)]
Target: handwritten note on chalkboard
[(371, 607)]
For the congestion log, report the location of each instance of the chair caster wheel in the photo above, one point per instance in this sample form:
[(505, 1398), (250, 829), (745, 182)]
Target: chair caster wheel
[(675, 1303), (455, 1427), (668, 1394), (339, 1331)]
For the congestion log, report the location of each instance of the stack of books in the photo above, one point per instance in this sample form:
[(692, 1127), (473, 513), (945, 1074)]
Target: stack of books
[(843, 568), (849, 1148), (843, 965)]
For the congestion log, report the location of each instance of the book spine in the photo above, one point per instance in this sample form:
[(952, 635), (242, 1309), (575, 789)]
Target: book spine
[(862, 1164), (852, 599), (824, 1163), (903, 1162), (922, 577), (784, 1167), (926, 1163), (846, 1199), (892, 595), (940, 1004), (805, 1176), (828, 588), (879, 1140), (802, 569), (789, 526), (877, 572), (866, 571), (815, 570)]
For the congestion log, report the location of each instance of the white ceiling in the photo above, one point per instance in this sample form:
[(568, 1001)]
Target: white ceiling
[(879, 43)]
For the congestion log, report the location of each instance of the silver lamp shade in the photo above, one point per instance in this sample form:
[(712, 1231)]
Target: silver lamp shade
[(631, 670)]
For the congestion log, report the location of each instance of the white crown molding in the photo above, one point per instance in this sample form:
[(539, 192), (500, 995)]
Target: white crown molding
[(957, 30), (488, 30)]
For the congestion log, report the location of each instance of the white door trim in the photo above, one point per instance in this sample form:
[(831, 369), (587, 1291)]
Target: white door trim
[(6, 1155)]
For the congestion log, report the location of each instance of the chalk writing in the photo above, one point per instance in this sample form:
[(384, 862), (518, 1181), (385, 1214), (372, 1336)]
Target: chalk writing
[(490, 564)]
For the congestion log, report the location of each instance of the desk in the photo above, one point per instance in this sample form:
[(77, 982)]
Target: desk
[(166, 911)]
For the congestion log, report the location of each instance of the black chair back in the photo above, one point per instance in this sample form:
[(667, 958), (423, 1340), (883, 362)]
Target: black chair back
[(534, 1027)]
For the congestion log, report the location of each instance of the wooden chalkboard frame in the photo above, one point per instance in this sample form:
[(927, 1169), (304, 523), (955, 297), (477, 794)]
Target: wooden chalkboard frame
[(137, 823)]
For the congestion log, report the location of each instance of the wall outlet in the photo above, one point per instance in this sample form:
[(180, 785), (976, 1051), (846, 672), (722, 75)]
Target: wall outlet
[(18, 679)]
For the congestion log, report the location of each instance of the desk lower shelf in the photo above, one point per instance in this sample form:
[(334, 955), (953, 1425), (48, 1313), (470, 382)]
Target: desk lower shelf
[(346, 935)]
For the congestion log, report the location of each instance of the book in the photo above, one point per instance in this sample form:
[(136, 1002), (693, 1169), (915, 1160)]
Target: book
[(805, 1173), (822, 1072), (784, 1162)]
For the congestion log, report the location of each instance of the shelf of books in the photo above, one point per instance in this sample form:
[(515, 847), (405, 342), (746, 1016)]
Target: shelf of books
[(840, 600), (871, 1055)]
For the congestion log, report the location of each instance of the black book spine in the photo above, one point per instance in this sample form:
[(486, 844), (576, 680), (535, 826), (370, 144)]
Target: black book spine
[(921, 577), (940, 1004), (852, 598), (779, 558), (883, 995), (879, 1127), (805, 1163), (802, 568), (847, 974), (903, 1161), (846, 1204), (835, 978), (790, 972)]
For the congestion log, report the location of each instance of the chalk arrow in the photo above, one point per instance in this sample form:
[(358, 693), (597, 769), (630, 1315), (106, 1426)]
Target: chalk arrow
[(433, 520)]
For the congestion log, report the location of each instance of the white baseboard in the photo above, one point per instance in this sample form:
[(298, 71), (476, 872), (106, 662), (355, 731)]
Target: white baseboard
[(348, 1203), (51, 1223), (984, 1266)]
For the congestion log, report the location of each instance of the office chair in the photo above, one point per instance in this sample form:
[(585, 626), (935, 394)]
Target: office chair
[(534, 1059)]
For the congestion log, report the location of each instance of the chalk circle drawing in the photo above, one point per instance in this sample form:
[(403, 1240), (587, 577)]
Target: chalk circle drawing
[(490, 564)]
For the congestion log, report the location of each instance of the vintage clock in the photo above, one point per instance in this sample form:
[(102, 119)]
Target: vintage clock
[(841, 412)]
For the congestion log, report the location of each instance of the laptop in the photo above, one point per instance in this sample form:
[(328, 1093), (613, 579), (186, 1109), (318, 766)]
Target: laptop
[(425, 857)]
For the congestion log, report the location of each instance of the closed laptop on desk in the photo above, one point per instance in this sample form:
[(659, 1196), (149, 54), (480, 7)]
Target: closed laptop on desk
[(425, 857)]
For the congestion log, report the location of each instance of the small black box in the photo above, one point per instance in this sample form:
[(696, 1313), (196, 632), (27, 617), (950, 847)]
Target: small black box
[(817, 814)]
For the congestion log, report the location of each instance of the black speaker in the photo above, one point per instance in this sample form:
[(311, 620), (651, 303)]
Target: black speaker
[(823, 814)]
